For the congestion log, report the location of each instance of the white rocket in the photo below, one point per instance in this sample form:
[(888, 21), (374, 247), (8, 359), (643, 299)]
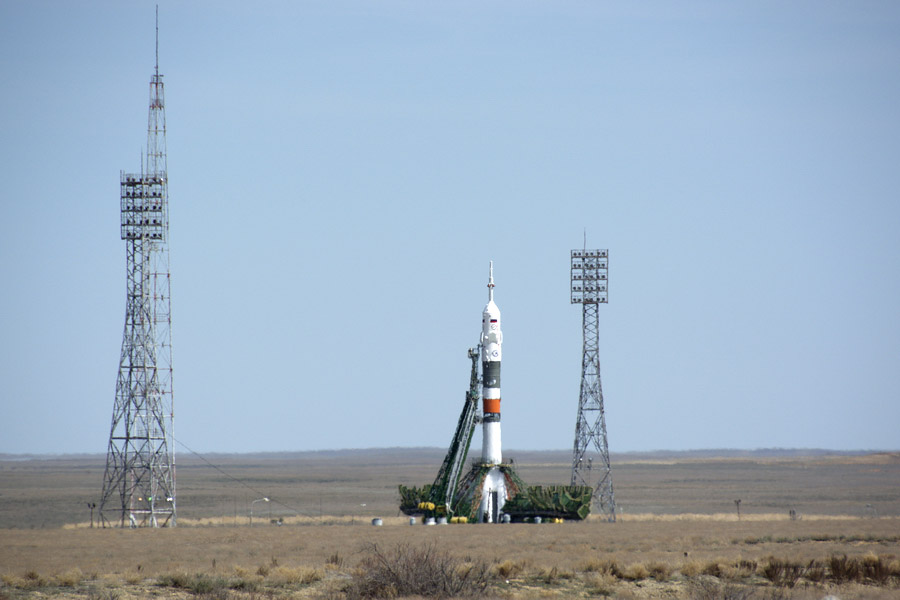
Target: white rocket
[(494, 492)]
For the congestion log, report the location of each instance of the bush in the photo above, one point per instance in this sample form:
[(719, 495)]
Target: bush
[(876, 569), (295, 576), (70, 578), (660, 571), (425, 571), (712, 568), (198, 584), (782, 572), (843, 569), (690, 569), (636, 572), (605, 567), (600, 584), (815, 571), (741, 569), (507, 569), (709, 588)]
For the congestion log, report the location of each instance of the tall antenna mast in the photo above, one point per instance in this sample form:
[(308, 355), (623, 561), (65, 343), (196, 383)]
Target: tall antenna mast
[(589, 273), (139, 480)]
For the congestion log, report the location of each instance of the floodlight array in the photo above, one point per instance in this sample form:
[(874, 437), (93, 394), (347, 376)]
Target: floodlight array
[(589, 273)]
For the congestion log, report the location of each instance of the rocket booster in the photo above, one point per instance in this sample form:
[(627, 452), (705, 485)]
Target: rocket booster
[(491, 353)]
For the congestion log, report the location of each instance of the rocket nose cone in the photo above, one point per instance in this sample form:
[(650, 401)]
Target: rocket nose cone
[(492, 309)]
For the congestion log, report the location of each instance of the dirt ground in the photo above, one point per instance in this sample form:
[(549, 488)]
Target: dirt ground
[(677, 533)]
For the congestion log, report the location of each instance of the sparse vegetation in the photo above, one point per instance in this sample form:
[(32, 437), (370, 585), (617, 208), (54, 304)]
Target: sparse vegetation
[(425, 571), (782, 572), (644, 555), (711, 588)]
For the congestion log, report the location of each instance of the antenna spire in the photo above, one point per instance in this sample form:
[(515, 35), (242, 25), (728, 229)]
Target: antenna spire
[(157, 39), (491, 283)]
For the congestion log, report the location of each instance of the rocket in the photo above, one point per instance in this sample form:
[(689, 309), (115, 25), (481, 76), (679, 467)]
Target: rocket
[(494, 491), (491, 353)]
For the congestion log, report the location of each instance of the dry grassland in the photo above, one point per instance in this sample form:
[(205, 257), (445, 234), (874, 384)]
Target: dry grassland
[(678, 536)]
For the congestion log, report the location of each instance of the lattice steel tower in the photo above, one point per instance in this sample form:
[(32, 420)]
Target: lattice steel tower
[(139, 482), (589, 276)]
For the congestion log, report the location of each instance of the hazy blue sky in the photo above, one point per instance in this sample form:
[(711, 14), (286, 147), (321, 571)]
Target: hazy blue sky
[(342, 172)]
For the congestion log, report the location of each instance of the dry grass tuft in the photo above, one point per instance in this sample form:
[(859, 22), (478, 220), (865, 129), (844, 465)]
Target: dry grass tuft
[(714, 568), (660, 571), (604, 566), (710, 588), (876, 569), (554, 575), (691, 569), (783, 572), (600, 584), (508, 568), (635, 572), (283, 576), (737, 570), (69, 578)]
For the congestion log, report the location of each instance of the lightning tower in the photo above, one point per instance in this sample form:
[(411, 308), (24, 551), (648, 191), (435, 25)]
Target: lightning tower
[(589, 272), (139, 481)]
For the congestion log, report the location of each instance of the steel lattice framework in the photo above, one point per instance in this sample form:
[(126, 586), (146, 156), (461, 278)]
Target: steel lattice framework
[(589, 277), (139, 481)]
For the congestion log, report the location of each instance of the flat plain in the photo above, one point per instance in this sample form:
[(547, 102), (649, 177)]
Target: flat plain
[(677, 533)]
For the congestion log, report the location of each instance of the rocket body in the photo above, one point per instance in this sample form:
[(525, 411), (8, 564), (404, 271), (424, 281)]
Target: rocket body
[(491, 354), (494, 492)]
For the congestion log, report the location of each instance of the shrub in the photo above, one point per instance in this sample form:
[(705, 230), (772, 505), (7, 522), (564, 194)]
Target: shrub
[(103, 595), (600, 584), (690, 569), (815, 571), (709, 588), (659, 571), (782, 572), (843, 569), (636, 572), (425, 571), (175, 580), (203, 584), (508, 568), (250, 583), (553, 574), (198, 583), (741, 569), (33, 579), (70, 578), (295, 576), (876, 569), (606, 567), (712, 568)]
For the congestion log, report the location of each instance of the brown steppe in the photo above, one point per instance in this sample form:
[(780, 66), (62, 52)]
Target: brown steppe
[(677, 535)]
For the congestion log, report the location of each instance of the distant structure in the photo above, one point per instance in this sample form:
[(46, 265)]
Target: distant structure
[(589, 277), (139, 481), (491, 491)]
